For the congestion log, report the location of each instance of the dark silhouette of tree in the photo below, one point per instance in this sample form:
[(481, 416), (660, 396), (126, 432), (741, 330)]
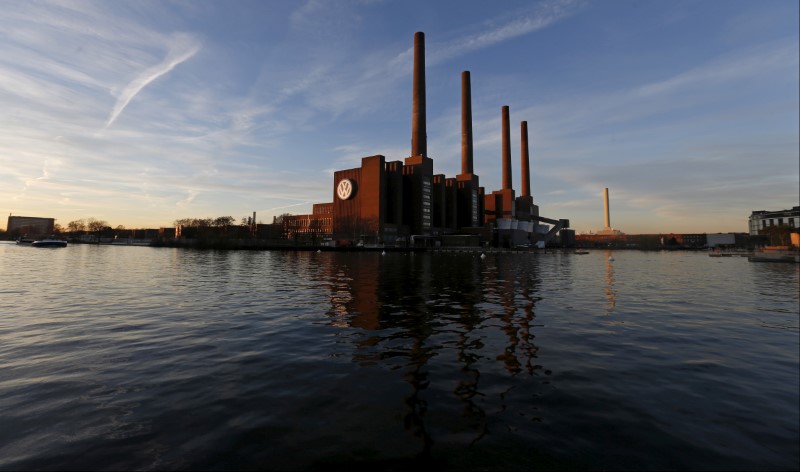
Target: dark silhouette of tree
[(223, 221), (76, 226), (95, 226)]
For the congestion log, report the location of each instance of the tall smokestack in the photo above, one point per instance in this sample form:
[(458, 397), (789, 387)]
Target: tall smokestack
[(466, 124), (526, 169), (506, 151), (419, 144), (605, 207)]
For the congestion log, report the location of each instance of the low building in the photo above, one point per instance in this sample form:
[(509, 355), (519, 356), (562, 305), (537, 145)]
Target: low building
[(721, 240), (315, 226)]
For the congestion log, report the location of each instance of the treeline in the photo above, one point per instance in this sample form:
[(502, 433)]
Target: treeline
[(99, 230), (218, 222), (213, 230), (102, 228)]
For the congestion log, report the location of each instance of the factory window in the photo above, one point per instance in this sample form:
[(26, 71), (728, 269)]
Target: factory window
[(474, 207)]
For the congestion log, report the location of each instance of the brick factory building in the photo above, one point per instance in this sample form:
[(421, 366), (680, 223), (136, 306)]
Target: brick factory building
[(404, 203)]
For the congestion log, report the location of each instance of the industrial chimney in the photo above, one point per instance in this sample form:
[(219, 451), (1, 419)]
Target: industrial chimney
[(525, 157), (605, 208), (506, 151), (419, 146), (466, 123)]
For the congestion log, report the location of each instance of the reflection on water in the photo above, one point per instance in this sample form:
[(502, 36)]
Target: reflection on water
[(138, 358), (610, 293), (413, 308)]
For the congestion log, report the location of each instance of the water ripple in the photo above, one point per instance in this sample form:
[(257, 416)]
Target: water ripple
[(142, 358)]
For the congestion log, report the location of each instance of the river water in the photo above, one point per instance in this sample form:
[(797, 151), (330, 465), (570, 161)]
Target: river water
[(157, 358)]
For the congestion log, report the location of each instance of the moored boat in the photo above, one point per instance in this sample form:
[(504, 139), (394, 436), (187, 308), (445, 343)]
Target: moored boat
[(49, 243)]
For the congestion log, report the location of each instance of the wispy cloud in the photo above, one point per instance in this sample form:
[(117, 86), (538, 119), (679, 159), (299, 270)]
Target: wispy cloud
[(757, 60), (368, 78), (181, 49), (535, 19)]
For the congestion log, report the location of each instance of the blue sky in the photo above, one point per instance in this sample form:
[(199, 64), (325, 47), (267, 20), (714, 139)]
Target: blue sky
[(142, 112)]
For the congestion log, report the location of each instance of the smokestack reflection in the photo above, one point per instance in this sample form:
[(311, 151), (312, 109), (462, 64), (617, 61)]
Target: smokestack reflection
[(411, 312), (611, 294)]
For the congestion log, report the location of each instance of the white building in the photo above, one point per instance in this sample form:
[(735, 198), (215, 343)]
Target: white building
[(763, 219)]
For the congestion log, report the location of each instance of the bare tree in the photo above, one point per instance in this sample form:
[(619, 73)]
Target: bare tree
[(223, 221), (95, 226), (76, 226)]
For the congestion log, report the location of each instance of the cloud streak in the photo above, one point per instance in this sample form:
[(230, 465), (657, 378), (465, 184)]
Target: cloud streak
[(180, 51), (541, 17)]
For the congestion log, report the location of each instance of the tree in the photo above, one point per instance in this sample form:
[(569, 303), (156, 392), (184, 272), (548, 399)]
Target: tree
[(182, 222), (76, 226), (95, 226), (223, 221)]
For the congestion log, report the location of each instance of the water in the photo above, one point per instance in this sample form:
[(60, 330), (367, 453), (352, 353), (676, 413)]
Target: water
[(144, 358)]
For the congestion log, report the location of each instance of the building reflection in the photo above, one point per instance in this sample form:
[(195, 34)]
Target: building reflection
[(400, 303), (518, 285), (611, 294)]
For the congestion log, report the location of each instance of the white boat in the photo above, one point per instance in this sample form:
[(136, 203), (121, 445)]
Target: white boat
[(49, 243)]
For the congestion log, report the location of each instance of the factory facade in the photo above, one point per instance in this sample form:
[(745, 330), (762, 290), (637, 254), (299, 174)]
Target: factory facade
[(405, 203)]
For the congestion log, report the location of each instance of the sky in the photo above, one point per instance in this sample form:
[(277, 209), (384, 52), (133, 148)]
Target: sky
[(140, 113)]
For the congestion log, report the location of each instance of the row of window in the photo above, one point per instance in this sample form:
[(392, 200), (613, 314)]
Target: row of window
[(789, 221)]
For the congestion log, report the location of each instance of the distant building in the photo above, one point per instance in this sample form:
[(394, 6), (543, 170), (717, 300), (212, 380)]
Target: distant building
[(721, 239), (30, 225), (663, 240), (607, 229), (761, 219), (315, 225)]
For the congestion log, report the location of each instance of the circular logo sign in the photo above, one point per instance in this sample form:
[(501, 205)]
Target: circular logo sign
[(345, 189)]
